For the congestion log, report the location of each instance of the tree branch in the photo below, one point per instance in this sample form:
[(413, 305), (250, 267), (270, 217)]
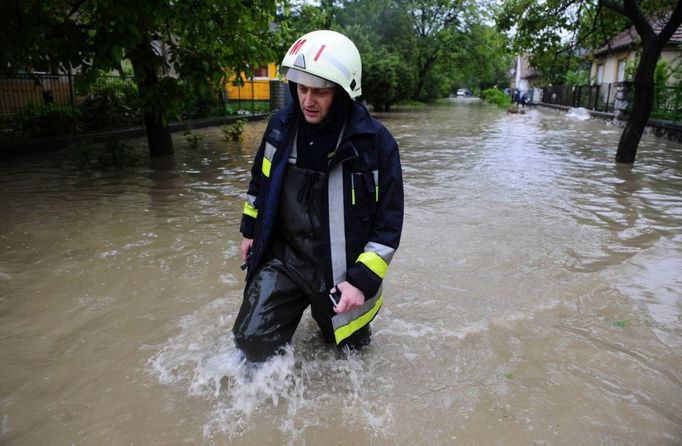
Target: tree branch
[(642, 25), (674, 22), (613, 6), (76, 7), (631, 10)]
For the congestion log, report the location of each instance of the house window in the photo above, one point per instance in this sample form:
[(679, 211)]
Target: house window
[(600, 73), (621, 70), (260, 72)]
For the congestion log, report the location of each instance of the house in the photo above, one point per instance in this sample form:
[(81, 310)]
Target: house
[(256, 89), (526, 78), (609, 62)]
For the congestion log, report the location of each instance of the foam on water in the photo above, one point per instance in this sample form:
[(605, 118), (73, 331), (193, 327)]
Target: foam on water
[(579, 113)]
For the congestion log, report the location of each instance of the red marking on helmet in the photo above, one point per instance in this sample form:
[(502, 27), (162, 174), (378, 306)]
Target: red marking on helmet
[(297, 46), (317, 56)]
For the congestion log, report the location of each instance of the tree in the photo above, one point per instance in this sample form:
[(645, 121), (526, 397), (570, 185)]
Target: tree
[(296, 18), (434, 24), (386, 79), (482, 59), (652, 46), (166, 41), (382, 32), (411, 49), (541, 25)]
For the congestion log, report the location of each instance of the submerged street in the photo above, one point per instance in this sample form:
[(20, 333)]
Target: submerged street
[(535, 297)]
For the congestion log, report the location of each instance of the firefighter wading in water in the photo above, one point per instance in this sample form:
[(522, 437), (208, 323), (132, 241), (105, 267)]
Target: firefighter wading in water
[(324, 207)]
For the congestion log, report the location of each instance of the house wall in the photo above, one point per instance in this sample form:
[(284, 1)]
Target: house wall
[(610, 63), (521, 69), (17, 92), (256, 89), (673, 56)]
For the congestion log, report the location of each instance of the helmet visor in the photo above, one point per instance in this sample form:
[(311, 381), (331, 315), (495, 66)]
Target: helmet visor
[(307, 79)]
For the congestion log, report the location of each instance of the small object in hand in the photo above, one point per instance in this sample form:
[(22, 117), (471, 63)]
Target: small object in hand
[(246, 265), (335, 297)]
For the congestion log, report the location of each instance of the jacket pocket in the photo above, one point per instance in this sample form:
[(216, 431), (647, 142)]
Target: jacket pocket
[(364, 193)]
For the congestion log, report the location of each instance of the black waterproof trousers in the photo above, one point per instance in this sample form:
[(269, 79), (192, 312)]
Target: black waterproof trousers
[(292, 277)]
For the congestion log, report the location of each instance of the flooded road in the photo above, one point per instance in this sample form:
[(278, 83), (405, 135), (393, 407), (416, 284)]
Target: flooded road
[(535, 298)]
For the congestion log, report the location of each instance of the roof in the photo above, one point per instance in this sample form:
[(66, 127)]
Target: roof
[(629, 38)]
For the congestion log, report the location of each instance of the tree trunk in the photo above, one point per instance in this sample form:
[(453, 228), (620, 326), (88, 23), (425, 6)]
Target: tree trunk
[(158, 134), (652, 45), (145, 65), (641, 107)]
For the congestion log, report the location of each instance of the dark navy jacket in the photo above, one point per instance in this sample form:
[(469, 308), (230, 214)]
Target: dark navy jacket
[(364, 175)]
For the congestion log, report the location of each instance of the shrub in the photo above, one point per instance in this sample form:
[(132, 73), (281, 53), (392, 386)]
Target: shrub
[(112, 103), (194, 139), (234, 130), (496, 96), (196, 103), (111, 155), (577, 77), (46, 120)]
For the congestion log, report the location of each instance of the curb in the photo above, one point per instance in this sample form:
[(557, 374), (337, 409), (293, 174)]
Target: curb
[(61, 142)]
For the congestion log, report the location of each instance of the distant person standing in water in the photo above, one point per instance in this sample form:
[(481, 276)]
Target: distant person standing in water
[(324, 207)]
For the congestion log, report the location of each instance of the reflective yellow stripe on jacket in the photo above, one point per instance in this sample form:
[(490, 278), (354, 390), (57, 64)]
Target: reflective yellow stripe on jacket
[(345, 324), (250, 210), (250, 206), (374, 262), (268, 155), (375, 256)]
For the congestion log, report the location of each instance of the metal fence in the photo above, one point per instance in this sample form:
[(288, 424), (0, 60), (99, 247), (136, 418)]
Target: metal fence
[(19, 91), (668, 103), (47, 105), (593, 97), (70, 90), (602, 98)]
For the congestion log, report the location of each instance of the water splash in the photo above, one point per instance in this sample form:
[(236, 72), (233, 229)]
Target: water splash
[(292, 391), (579, 113)]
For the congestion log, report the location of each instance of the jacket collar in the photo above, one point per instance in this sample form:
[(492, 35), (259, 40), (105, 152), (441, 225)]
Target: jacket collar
[(359, 121)]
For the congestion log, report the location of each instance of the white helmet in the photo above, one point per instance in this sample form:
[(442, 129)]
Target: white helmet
[(322, 58)]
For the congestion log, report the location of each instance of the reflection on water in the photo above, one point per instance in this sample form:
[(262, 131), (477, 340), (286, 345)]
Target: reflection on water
[(534, 300)]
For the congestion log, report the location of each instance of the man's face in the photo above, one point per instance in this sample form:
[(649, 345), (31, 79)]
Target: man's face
[(315, 102)]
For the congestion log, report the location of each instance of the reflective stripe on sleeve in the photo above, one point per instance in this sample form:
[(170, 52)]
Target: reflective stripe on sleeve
[(345, 324), (268, 155), (250, 206), (383, 251), (250, 210), (375, 263), (267, 164)]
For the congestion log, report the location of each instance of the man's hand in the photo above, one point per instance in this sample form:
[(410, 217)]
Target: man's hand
[(245, 248), (351, 297)]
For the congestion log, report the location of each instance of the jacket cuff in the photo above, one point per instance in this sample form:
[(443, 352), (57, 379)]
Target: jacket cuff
[(247, 226), (363, 279)]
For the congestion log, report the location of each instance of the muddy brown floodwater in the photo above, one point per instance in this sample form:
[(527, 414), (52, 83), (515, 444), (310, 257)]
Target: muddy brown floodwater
[(535, 298)]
